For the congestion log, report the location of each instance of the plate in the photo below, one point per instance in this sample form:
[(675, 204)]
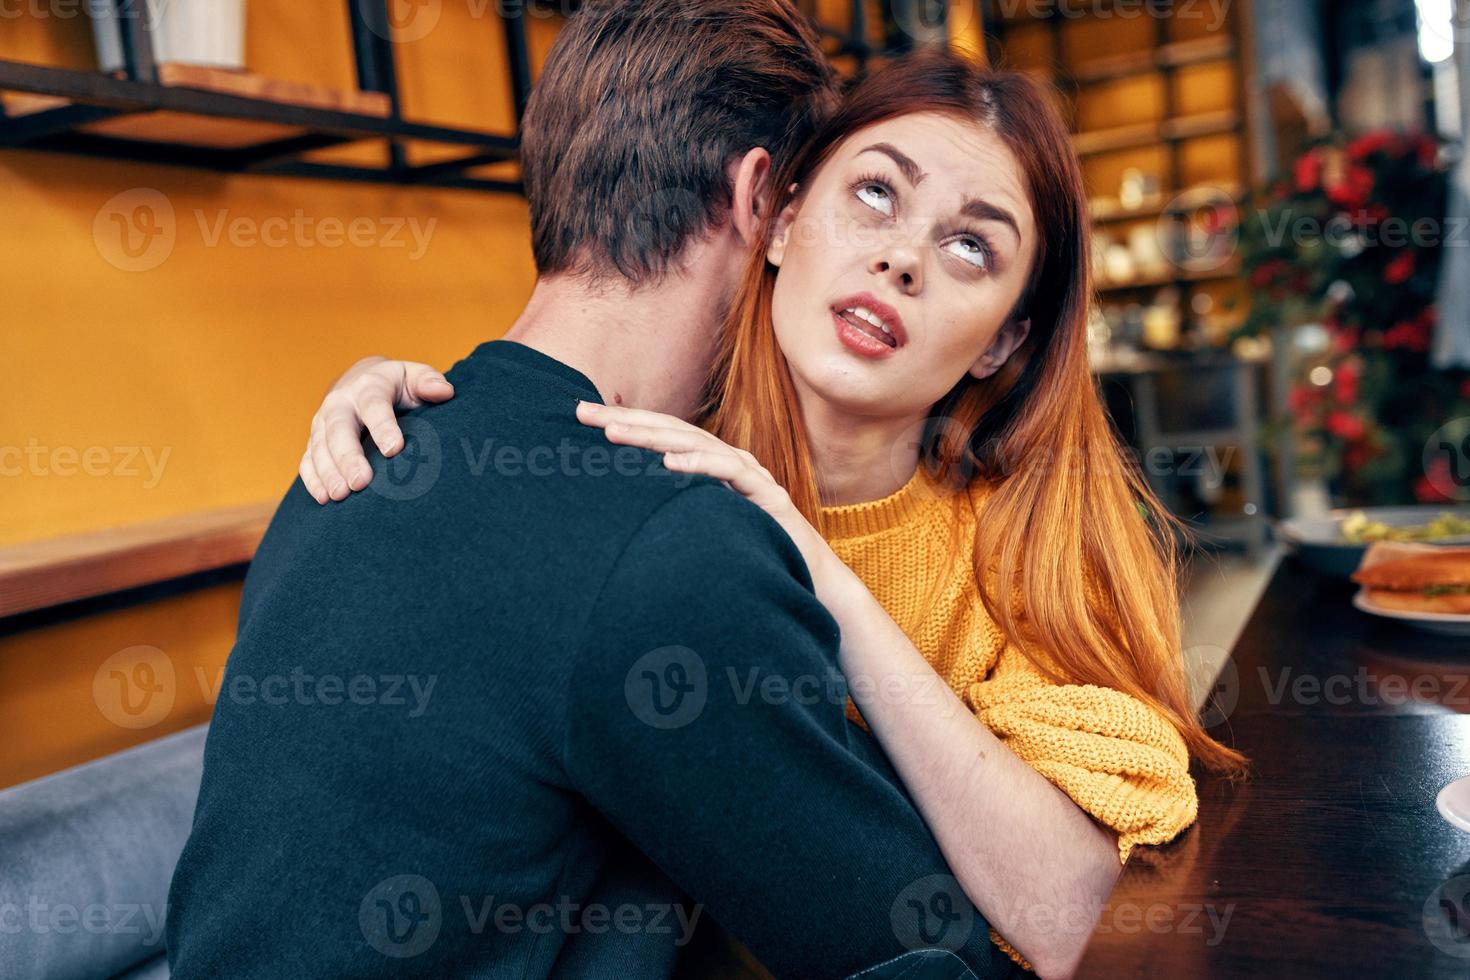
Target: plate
[(1453, 802), (1317, 542), (1446, 624)]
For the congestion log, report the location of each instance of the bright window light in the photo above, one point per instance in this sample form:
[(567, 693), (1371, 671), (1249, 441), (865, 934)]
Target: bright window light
[(1436, 29)]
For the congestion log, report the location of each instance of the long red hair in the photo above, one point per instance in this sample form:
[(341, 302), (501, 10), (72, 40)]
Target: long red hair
[(1091, 556)]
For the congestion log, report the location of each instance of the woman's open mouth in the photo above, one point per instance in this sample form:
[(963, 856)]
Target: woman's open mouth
[(868, 327)]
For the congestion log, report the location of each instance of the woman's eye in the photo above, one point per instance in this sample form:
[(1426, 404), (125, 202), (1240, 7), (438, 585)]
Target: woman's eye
[(876, 196), (971, 250)]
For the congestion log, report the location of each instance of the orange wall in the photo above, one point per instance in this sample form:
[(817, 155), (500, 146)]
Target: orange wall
[(209, 362)]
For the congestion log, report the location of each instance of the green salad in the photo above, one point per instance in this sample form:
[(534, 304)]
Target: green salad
[(1357, 529)]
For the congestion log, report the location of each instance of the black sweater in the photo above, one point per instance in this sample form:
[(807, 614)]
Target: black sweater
[(452, 694)]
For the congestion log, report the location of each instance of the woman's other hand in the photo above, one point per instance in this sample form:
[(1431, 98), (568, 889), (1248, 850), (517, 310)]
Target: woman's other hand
[(366, 397)]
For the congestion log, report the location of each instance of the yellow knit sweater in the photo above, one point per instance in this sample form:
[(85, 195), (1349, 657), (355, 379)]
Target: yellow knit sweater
[(1116, 757)]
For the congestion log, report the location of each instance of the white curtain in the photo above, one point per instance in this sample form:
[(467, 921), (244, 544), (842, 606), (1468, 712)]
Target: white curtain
[(1451, 347)]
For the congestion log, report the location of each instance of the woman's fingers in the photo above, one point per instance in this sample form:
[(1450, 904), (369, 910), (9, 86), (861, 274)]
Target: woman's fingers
[(382, 424), (657, 439), (326, 467), (722, 466), (346, 450), (310, 480), (423, 383), (591, 413)]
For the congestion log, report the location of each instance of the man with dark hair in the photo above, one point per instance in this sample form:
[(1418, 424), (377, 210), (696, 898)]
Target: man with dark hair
[(427, 767)]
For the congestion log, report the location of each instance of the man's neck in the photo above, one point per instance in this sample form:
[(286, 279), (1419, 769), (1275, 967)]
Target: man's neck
[(648, 348)]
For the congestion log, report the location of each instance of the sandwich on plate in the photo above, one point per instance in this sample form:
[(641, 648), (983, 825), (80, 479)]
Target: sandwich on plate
[(1432, 582)]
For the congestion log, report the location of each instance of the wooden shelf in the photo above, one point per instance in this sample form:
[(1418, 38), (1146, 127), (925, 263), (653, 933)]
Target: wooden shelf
[(1230, 270), (48, 573), (1161, 204), (235, 121), (1176, 55), (1143, 135)]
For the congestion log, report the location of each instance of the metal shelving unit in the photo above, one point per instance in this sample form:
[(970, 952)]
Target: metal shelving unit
[(87, 98)]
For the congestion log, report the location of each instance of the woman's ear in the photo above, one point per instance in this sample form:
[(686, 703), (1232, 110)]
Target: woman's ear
[(1011, 336), (750, 192), (781, 233)]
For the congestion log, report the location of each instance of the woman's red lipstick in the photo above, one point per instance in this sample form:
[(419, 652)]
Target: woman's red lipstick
[(867, 326)]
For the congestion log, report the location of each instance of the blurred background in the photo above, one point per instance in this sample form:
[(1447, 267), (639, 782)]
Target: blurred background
[(213, 207)]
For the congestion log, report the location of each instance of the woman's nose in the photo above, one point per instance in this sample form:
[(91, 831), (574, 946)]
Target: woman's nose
[(901, 266)]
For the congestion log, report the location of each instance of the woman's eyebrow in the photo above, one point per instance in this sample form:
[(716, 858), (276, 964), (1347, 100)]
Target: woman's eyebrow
[(985, 211), (905, 163)]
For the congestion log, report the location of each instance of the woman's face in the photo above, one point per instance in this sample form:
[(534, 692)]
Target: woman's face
[(923, 224)]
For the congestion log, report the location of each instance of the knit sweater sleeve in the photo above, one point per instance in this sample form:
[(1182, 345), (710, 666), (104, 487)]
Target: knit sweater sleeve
[(1116, 757)]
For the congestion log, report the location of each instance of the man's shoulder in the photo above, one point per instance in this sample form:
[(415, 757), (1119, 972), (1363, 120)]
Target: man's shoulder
[(706, 537)]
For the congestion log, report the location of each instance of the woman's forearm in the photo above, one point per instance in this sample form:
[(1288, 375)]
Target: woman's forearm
[(1034, 863)]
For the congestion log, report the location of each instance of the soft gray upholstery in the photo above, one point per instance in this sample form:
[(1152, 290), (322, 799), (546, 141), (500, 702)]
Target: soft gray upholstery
[(85, 861)]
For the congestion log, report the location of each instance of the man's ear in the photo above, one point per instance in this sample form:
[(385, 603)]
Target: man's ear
[(750, 185), (781, 233), (1011, 336)]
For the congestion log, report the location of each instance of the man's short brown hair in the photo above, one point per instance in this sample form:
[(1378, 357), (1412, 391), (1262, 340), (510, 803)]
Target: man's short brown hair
[(639, 109)]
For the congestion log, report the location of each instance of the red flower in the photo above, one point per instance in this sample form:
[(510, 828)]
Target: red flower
[(1351, 193), (1308, 171), (1410, 335), (1345, 382), (1345, 339), (1368, 143), (1349, 427), (1267, 272), (1400, 269)]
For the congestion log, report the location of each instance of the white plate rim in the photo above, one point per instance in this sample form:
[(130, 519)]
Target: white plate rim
[(1360, 600)]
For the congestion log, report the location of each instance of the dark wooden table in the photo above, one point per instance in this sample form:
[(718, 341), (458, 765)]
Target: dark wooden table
[(1331, 859)]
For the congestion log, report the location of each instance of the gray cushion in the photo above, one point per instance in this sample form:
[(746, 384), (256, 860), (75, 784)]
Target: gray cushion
[(86, 856)]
